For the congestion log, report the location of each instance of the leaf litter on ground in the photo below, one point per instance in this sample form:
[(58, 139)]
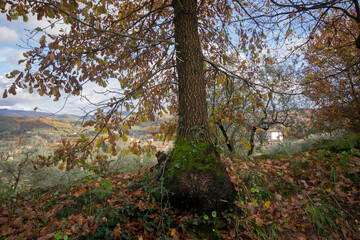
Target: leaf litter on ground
[(305, 196)]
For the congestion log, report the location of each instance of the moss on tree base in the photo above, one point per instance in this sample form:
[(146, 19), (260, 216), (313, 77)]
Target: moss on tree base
[(197, 178)]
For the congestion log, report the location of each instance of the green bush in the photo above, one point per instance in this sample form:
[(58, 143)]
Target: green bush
[(337, 141), (343, 144)]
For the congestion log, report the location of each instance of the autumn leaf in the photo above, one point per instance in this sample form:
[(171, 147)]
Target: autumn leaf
[(259, 221), (172, 231), (80, 192), (278, 197), (292, 14), (142, 206)]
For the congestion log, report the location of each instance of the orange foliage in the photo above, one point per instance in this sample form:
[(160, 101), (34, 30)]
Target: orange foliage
[(333, 81)]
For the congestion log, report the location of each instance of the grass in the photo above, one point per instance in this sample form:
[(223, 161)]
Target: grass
[(326, 219)]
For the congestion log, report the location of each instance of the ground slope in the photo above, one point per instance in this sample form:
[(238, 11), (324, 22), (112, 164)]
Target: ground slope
[(306, 196)]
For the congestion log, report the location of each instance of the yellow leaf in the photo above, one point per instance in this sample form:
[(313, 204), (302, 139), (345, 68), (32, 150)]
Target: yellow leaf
[(267, 204), (61, 167), (172, 231), (328, 189), (248, 146)]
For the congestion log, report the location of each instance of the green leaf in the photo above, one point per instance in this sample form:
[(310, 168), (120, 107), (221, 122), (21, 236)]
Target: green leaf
[(51, 13), (58, 236), (83, 137), (213, 214), (25, 18), (15, 16), (124, 138)]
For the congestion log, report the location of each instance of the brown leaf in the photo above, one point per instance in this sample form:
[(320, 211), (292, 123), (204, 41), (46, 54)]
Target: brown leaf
[(259, 221), (278, 197), (18, 222), (116, 234), (305, 184), (80, 192), (3, 220), (6, 230), (47, 236), (292, 14), (142, 206), (138, 193), (86, 227)]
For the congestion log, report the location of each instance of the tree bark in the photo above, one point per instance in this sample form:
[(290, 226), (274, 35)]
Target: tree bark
[(252, 141), (193, 121), (195, 176), (227, 140)]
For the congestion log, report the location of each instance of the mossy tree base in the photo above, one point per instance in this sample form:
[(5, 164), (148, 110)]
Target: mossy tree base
[(197, 178)]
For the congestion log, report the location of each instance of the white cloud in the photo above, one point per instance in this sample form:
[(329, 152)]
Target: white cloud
[(8, 35), (11, 55), (4, 82)]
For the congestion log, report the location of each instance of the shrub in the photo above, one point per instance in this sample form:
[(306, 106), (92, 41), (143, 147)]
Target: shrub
[(338, 145)]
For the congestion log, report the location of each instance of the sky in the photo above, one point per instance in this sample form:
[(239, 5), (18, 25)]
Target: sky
[(13, 36)]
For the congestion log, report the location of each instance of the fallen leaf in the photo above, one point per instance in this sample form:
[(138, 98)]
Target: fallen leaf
[(142, 206), (278, 197), (172, 231), (80, 192), (259, 222), (47, 236)]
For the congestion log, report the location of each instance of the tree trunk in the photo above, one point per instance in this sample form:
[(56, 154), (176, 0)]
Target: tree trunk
[(194, 174), (252, 141), (193, 117), (227, 140)]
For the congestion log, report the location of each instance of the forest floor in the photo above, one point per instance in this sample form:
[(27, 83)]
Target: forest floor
[(310, 195)]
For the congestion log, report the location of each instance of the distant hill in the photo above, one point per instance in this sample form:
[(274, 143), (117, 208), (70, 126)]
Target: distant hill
[(36, 114), (14, 126), (21, 113)]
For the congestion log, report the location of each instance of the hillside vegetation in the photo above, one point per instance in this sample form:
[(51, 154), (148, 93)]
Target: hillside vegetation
[(308, 195), (20, 125)]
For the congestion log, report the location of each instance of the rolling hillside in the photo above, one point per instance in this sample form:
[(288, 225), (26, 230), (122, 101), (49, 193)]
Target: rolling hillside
[(12, 126)]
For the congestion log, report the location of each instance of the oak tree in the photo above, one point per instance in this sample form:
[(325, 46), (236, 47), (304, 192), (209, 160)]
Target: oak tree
[(161, 55)]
